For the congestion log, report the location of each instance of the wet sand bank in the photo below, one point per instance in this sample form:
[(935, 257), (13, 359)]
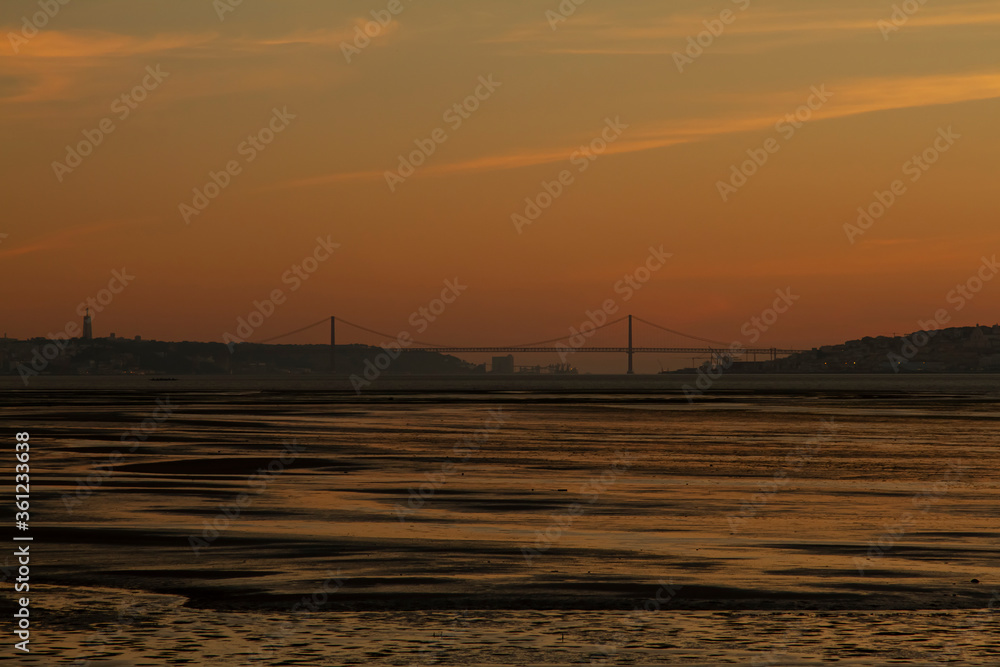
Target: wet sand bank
[(570, 505)]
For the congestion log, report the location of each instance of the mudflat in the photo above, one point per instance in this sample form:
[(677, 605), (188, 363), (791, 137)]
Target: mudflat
[(541, 526)]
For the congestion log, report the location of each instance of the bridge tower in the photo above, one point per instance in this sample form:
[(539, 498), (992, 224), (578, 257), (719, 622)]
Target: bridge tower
[(630, 349), (333, 345)]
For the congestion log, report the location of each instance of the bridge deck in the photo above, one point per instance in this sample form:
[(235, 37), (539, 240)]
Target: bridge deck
[(618, 350)]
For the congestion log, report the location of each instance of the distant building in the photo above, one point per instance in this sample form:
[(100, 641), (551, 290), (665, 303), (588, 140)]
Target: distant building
[(503, 365), (88, 328), (138, 339), (977, 339)]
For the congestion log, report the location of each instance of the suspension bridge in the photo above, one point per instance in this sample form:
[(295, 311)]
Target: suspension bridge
[(656, 339)]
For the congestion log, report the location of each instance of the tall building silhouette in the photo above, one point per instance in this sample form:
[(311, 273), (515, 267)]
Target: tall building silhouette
[(88, 328)]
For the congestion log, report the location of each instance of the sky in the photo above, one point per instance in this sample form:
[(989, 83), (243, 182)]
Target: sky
[(734, 139)]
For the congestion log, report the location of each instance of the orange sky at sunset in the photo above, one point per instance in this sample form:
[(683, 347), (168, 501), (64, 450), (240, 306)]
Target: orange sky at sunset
[(895, 88)]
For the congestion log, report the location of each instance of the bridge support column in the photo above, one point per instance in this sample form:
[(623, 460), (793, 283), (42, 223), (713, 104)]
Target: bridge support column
[(333, 345), (630, 371)]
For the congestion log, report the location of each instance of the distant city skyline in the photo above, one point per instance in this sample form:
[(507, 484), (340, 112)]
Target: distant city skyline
[(961, 349)]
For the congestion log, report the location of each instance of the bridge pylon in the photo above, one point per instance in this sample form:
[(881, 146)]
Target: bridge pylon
[(333, 345), (631, 350)]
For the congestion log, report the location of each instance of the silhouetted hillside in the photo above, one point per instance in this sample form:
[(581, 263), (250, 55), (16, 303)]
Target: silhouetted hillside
[(111, 356), (952, 350)]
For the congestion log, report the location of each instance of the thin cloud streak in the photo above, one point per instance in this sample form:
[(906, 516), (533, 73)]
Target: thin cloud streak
[(61, 238), (604, 35), (64, 65), (851, 98)]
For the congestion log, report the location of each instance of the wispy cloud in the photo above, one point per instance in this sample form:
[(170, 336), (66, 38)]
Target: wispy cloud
[(87, 44), (68, 65), (62, 237), (869, 95), (754, 30), (850, 98), (326, 37)]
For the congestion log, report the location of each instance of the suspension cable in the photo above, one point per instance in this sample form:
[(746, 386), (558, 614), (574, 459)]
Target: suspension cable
[(290, 333), (678, 333), (418, 342)]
